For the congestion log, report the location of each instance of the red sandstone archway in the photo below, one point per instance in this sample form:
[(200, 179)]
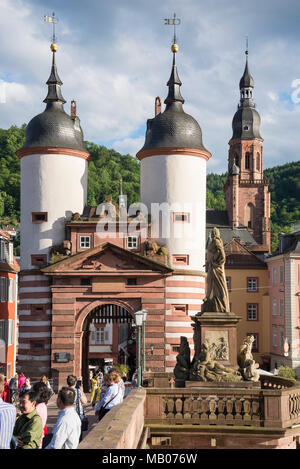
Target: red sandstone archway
[(82, 332)]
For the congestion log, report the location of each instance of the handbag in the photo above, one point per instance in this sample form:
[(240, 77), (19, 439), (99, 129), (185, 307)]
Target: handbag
[(103, 411)]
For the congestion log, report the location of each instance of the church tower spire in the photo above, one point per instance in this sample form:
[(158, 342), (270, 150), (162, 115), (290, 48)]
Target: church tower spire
[(247, 196)]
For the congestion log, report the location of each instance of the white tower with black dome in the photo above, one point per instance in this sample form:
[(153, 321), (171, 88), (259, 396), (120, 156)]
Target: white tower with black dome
[(173, 179), (54, 166), (54, 170)]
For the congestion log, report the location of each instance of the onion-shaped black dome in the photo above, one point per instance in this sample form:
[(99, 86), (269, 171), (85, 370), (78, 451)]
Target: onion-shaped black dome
[(54, 127), (246, 123), (173, 127)]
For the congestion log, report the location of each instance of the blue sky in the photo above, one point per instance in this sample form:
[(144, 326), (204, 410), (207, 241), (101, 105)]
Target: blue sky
[(114, 59)]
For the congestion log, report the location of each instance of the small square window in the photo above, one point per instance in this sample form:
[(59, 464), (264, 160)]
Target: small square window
[(181, 217), (252, 284), (85, 281), (38, 259), (131, 281), (132, 242), (179, 309), (180, 259), (39, 217), (176, 348), (252, 312), (85, 242)]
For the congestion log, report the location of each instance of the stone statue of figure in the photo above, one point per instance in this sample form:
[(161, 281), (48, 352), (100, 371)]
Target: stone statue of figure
[(247, 365), (217, 299), (182, 367)]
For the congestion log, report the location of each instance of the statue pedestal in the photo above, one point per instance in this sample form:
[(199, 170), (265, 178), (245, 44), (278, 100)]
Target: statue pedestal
[(219, 331)]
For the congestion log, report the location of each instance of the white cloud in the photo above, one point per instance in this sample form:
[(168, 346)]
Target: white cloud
[(129, 145)]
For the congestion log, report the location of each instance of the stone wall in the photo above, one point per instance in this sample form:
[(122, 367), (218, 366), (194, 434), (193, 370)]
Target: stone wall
[(121, 428)]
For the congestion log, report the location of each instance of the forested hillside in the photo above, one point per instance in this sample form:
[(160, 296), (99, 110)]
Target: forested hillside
[(108, 167)]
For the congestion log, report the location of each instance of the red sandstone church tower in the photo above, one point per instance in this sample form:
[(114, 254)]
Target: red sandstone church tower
[(247, 195)]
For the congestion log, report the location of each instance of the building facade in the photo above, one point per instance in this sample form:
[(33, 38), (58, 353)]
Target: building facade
[(284, 289), (9, 269)]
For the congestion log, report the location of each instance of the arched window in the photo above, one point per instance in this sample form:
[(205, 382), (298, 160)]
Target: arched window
[(247, 160), (258, 161), (249, 215), (236, 159)]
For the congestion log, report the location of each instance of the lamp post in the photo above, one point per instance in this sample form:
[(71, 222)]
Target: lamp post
[(139, 315), (145, 312)]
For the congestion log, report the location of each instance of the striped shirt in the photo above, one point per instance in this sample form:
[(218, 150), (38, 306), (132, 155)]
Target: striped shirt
[(7, 421)]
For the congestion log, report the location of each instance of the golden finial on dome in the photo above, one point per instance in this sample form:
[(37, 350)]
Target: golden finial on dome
[(174, 48), (53, 47)]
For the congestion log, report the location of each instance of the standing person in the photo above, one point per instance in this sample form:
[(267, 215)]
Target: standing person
[(7, 419), (45, 380), (44, 395), (105, 384), (22, 380), (5, 394), (112, 397), (28, 429), (80, 398), (67, 430), (26, 386), (14, 389), (100, 376), (97, 391), (120, 381), (94, 386)]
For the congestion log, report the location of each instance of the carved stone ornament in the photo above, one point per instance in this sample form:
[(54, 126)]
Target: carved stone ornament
[(247, 365)]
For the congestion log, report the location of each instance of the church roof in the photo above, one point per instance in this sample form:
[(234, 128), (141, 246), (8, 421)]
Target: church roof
[(238, 255), (220, 220)]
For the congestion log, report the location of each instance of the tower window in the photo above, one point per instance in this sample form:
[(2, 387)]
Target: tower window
[(246, 127), (38, 259), (184, 217), (247, 160), (180, 259), (39, 217), (258, 162)]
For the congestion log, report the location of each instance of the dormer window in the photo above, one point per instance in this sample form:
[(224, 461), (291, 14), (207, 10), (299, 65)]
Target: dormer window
[(132, 242), (85, 242)]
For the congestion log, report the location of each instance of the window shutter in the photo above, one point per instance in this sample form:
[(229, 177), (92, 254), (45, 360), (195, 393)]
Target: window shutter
[(10, 253)]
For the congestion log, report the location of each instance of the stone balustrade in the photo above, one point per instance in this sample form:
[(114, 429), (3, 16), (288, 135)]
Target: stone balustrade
[(255, 417)]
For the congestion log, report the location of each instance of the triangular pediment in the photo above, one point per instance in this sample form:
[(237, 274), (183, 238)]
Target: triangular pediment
[(106, 258)]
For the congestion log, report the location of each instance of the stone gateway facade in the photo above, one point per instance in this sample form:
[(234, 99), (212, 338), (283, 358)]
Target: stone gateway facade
[(83, 267)]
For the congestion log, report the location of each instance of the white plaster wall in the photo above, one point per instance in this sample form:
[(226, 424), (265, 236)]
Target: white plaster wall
[(51, 183), (180, 181)]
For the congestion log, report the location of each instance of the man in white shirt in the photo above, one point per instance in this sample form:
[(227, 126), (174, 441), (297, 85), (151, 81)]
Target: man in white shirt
[(67, 429)]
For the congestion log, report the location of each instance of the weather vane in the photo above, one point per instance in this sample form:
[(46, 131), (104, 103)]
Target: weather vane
[(173, 22), (54, 20)]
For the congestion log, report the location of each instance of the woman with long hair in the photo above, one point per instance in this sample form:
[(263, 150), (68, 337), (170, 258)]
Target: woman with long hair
[(44, 395)]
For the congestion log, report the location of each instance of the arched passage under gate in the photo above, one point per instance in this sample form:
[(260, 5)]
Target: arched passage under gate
[(108, 339)]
